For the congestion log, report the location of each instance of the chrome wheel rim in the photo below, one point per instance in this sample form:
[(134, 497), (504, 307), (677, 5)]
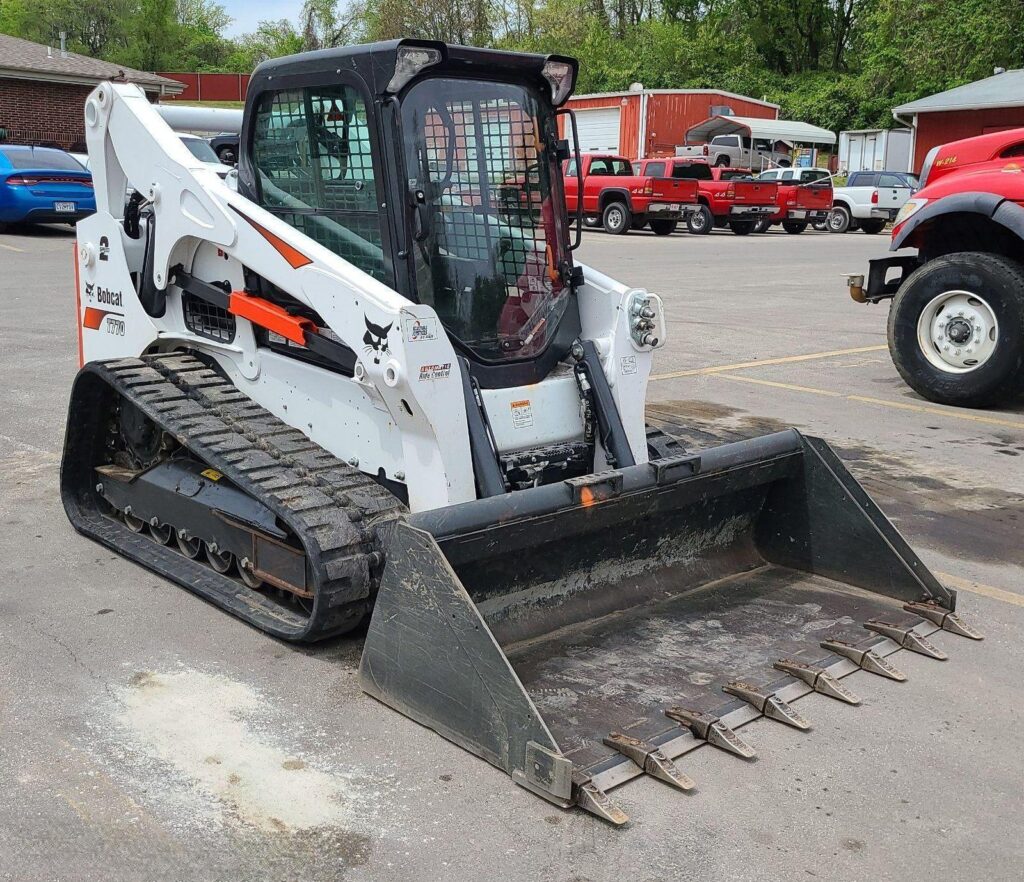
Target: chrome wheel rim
[(957, 332), (615, 218)]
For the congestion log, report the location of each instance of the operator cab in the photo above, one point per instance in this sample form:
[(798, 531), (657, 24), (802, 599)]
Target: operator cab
[(434, 169)]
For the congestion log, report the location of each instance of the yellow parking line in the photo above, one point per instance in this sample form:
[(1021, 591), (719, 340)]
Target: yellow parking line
[(776, 385), (786, 359), (921, 408), (12, 248), (881, 402), (980, 588)]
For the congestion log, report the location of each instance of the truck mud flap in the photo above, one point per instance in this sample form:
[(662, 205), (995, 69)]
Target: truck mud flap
[(581, 634)]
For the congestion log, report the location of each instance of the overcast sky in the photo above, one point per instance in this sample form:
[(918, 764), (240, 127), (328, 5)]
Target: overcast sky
[(246, 14)]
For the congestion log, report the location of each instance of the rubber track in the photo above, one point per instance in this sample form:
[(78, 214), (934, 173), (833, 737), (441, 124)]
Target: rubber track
[(339, 514)]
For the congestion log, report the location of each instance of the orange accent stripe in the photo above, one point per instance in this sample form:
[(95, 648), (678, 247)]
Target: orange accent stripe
[(270, 316), (94, 317), (295, 258), (78, 304)]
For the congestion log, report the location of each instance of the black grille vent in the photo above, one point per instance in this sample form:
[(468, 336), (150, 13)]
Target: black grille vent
[(207, 320)]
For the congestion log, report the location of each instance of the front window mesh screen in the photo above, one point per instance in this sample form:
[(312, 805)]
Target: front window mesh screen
[(313, 155), (488, 233)]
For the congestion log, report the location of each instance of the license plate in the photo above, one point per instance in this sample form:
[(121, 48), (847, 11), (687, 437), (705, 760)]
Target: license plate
[(674, 206), (65, 207), (798, 214)]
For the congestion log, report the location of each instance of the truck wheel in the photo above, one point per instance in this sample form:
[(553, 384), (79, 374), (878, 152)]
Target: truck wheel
[(663, 227), (795, 228), (742, 227), (763, 225), (722, 161), (839, 219), (590, 221), (956, 329), (872, 227), (701, 221), (616, 219)]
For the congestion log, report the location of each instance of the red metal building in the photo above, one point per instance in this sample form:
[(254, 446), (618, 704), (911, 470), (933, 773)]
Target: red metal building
[(989, 105), (210, 86), (652, 122)]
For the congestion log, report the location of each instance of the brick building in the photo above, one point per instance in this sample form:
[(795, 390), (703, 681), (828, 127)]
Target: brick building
[(43, 90)]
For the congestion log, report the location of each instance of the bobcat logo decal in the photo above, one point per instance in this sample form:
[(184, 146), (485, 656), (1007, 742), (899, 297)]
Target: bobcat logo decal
[(376, 339), (89, 287)]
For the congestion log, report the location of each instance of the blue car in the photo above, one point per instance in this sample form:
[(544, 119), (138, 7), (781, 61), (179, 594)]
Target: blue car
[(41, 185)]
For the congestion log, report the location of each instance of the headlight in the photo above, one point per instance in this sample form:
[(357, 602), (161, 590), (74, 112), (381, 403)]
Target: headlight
[(910, 208)]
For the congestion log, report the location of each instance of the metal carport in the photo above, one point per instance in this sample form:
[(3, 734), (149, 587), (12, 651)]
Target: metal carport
[(790, 131)]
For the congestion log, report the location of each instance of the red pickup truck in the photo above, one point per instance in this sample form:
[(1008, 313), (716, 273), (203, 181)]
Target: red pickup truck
[(805, 197), (624, 201), (727, 196)]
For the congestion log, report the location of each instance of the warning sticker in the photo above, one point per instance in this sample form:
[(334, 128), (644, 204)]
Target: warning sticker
[(627, 364), (522, 414), (417, 330), (212, 474), (435, 371)]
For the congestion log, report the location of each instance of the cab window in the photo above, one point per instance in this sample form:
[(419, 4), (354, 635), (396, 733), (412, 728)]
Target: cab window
[(314, 160), (890, 181), (655, 169), (787, 175), (692, 171), (768, 176)]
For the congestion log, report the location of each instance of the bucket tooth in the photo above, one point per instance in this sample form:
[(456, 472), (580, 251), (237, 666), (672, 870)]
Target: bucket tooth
[(818, 679), (712, 730), (944, 618), (866, 659), (905, 637), (770, 705), (650, 759), (589, 797)]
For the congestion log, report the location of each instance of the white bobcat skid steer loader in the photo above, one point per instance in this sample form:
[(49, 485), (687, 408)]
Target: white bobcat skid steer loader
[(367, 375)]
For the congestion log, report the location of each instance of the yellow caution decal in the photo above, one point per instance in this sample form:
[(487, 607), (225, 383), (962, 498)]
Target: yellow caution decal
[(212, 474)]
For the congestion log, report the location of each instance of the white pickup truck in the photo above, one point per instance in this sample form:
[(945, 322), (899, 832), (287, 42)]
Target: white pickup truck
[(737, 151), (869, 200)]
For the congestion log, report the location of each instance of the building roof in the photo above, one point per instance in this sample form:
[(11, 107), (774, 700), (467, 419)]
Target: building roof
[(1000, 90), (788, 130), (776, 107), (23, 59)]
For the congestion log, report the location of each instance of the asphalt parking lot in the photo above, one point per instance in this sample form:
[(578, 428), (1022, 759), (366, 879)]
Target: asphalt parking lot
[(145, 735)]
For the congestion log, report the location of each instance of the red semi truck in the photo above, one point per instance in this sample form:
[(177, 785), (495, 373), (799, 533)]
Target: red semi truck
[(956, 322), (621, 200), (727, 196)]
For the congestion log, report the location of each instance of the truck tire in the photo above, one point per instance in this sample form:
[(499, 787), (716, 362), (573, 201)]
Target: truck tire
[(663, 227), (968, 298), (701, 222), (617, 218), (838, 219), (763, 225), (794, 228), (742, 227), (722, 161), (872, 227)]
